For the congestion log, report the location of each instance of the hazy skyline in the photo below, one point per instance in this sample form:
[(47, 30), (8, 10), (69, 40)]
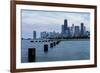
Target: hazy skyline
[(50, 21)]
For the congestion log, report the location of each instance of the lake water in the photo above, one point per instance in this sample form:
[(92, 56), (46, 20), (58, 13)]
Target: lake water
[(64, 51)]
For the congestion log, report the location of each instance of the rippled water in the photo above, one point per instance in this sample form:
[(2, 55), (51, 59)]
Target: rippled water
[(64, 51)]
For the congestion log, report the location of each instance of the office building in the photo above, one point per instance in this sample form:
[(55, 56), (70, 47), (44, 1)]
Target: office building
[(72, 30), (62, 31), (77, 31), (34, 34), (65, 25), (82, 29), (44, 34)]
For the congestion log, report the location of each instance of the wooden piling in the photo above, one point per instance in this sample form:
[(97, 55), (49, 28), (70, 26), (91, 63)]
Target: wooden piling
[(51, 45), (45, 47), (54, 44), (31, 41), (31, 54)]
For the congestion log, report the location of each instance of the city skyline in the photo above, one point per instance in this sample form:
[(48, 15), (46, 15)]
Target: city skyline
[(66, 32), (50, 21)]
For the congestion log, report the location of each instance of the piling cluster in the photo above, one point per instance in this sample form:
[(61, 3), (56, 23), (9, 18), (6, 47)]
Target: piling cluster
[(47, 44)]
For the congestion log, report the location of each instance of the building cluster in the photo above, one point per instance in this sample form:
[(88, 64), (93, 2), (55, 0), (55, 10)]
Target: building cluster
[(50, 35), (74, 31), (66, 32)]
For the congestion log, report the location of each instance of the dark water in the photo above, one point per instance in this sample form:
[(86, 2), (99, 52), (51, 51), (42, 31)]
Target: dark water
[(64, 51)]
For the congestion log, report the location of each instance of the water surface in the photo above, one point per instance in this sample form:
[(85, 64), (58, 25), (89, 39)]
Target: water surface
[(64, 51)]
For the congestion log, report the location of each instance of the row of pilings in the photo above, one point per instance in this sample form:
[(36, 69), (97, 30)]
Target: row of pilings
[(46, 45)]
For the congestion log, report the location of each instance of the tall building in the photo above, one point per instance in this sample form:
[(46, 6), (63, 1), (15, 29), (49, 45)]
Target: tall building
[(34, 34), (69, 31), (65, 25), (72, 30), (82, 29), (65, 29), (62, 31), (77, 31)]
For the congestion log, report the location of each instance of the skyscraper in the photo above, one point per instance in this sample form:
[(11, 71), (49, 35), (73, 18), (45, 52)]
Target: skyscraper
[(68, 30), (65, 25), (72, 30), (65, 29), (77, 33), (82, 29), (62, 31), (34, 34)]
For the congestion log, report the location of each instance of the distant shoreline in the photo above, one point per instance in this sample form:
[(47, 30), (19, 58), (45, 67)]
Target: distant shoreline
[(75, 39), (59, 39)]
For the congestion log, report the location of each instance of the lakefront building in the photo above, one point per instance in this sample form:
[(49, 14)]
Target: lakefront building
[(67, 32), (82, 29), (74, 31), (34, 34)]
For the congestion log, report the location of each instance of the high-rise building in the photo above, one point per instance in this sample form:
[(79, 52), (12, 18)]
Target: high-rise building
[(69, 31), (77, 31), (82, 29), (65, 29), (34, 34), (65, 25), (72, 30), (62, 31)]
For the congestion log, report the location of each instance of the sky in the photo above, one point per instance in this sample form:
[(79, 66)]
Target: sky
[(49, 21)]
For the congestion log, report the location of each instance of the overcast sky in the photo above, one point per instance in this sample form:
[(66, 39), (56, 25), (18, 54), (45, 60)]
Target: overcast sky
[(50, 21)]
